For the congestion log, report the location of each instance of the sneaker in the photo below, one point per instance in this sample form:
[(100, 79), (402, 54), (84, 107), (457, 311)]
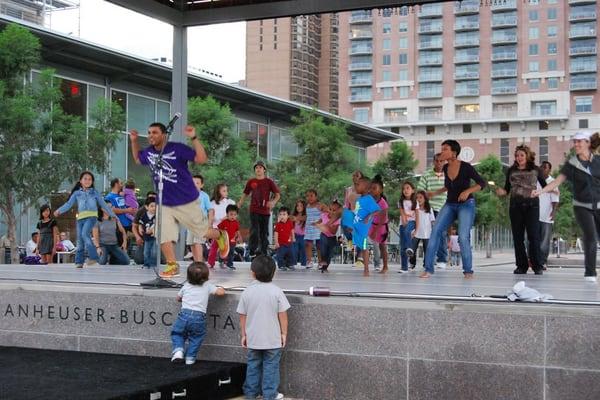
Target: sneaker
[(413, 266), (177, 357), (441, 265), (232, 268), (359, 263), (278, 397), (410, 252), (223, 244), (171, 270), (591, 279), (291, 268), (190, 361), (298, 265), (282, 268), (188, 256), (78, 265), (310, 265), (403, 271)]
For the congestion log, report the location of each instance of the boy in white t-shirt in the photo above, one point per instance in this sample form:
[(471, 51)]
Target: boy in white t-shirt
[(191, 321), (424, 220), (263, 324)]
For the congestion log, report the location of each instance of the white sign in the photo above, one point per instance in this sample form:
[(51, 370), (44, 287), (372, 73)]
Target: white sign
[(467, 154)]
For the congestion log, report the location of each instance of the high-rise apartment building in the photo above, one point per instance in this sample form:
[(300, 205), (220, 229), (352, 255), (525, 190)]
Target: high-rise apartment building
[(295, 58), (35, 11), (490, 76)]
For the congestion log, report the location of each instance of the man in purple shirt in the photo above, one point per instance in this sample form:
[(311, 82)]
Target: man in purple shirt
[(180, 196)]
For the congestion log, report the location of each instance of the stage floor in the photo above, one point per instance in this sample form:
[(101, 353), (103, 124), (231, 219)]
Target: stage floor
[(562, 283)]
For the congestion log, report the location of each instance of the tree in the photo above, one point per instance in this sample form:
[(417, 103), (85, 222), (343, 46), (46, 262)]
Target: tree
[(565, 224), (40, 145), (325, 163), (491, 210)]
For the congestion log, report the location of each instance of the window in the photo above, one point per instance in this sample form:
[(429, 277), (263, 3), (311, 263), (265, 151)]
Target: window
[(387, 44), (430, 129), (504, 127), (543, 149), (583, 104), (361, 115), (552, 14), (533, 49), (403, 59), (386, 76), (403, 92), (543, 125), (534, 33), (552, 48), (140, 112), (552, 31), (387, 27), (534, 84), (583, 124), (504, 151), (466, 128), (533, 16), (534, 66), (387, 12), (121, 99), (552, 83), (403, 43), (403, 26), (547, 107), (430, 152), (395, 114), (74, 101), (403, 11), (403, 75), (387, 59), (504, 110), (387, 93), (552, 65), (430, 113)]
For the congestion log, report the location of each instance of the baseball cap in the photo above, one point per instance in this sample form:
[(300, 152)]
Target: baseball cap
[(582, 135), (260, 163)]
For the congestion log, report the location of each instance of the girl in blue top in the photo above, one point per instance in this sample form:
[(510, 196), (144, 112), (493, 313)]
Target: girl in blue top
[(88, 200)]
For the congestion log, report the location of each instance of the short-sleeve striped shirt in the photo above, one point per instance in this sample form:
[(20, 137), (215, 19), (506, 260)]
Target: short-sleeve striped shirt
[(313, 214), (430, 182)]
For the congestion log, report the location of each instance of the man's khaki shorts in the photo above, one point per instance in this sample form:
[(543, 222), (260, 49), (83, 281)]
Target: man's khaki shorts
[(188, 215), (191, 239)]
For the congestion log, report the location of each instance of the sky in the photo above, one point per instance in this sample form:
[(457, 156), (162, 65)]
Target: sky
[(217, 48)]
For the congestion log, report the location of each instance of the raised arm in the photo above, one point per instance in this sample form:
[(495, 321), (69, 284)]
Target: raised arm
[(201, 157), (135, 145)]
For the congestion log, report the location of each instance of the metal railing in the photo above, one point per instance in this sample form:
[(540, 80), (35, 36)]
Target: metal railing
[(466, 75), (504, 90), (504, 73)]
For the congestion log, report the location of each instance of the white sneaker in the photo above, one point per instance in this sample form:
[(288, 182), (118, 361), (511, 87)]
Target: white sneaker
[(441, 265), (279, 396), (297, 265), (591, 279), (188, 256), (189, 361), (310, 265), (402, 271), (177, 357)]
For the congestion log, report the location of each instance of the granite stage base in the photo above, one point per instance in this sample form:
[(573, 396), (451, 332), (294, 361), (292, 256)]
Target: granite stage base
[(339, 347)]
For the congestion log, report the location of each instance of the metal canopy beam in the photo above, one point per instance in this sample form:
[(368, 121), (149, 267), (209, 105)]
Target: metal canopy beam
[(152, 9)]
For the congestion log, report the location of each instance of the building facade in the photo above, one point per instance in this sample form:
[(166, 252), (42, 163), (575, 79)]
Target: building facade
[(489, 74)]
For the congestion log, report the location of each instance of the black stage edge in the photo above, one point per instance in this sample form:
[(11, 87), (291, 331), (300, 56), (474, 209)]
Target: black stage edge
[(52, 374)]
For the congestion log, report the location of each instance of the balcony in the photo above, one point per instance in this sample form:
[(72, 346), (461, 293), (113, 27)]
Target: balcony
[(353, 51), (360, 35), (502, 39), (504, 90), (583, 85), (582, 16), (435, 77), (577, 68), (577, 32), (466, 92), (504, 5), (466, 25), (430, 93), (395, 118), (430, 61), (463, 75), (361, 19), (582, 50), (504, 56), (360, 82), (466, 42), (360, 66), (466, 115), (430, 10), (504, 73), (466, 58), (430, 116), (360, 98), (466, 7), (582, 1), (505, 113), (431, 28), (504, 21), (432, 44)]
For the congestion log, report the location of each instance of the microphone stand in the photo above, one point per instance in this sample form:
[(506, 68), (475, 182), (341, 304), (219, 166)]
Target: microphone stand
[(159, 282)]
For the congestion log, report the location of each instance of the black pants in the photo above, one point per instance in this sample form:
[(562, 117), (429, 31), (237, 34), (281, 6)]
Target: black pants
[(524, 217), (589, 221), (415, 247), (259, 234)]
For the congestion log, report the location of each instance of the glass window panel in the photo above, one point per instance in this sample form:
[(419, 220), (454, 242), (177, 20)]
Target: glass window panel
[(275, 139), (140, 112), (163, 111), (120, 154), (74, 100), (139, 173), (289, 147), (96, 93)]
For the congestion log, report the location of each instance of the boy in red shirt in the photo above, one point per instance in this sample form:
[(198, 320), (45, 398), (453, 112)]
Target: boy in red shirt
[(232, 226), (284, 240), (261, 204)]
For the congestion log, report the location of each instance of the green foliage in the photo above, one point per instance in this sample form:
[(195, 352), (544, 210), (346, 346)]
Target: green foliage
[(19, 51), (326, 163), (491, 210), (565, 224)]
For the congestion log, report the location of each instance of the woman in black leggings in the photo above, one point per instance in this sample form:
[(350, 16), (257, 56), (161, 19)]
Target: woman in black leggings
[(524, 211), (583, 171)]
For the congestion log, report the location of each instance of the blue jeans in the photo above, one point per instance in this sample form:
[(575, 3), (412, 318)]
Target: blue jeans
[(191, 326), (262, 374), (405, 242), (465, 213), (299, 250), (84, 240), (285, 256), (116, 253), (328, 244), (442, 251), (150, 252)]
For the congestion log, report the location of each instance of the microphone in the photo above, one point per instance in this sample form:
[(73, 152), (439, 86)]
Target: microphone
[(172, 122)]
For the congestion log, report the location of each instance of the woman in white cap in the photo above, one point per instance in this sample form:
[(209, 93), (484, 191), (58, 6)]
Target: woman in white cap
[(583, 171)]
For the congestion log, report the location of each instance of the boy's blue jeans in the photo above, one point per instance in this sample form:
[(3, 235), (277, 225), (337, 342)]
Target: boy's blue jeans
[(405, 242), (150, 252), (191, 326), (285, 256), (262, 374)]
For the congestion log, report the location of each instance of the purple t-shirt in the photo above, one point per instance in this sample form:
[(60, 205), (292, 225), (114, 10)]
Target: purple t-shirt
[(179, 187)]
